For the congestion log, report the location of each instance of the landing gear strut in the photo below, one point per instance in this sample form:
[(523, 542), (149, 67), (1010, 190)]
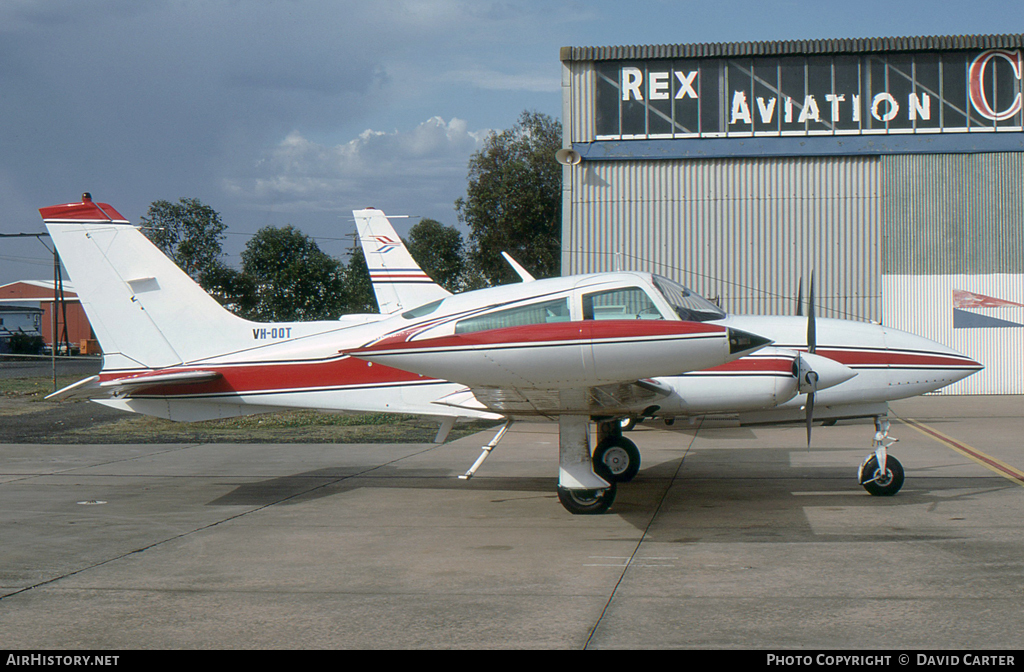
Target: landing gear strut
[(880, 474)]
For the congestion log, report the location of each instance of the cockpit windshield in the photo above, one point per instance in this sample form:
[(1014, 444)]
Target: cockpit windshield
[(688, 305)]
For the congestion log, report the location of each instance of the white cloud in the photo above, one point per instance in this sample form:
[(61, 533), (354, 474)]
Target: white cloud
[(422, 171)]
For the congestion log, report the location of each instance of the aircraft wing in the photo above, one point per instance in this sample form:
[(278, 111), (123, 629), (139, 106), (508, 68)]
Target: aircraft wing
[(95, 387), (598, 400), (398, 281)]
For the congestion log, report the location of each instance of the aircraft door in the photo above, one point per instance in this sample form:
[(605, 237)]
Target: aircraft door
[(619, 303)]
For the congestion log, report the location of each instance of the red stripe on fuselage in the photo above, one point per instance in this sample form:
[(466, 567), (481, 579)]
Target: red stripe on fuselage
[(753, 365), (851, 358), (240, 379), (895, 358), (551, 333)]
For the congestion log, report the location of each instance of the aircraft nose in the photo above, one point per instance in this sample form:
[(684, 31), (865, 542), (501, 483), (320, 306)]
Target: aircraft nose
[(911, 350), (969, 365), (742, 342)]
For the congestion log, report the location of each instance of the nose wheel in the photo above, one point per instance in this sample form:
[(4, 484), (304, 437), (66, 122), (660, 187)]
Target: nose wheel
[(880, 474), (879, 483)]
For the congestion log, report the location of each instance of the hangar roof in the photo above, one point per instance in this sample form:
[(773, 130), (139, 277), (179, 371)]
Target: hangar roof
[(794, 47)]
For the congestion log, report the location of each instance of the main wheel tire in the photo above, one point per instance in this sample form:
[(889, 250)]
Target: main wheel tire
[(882, 486), (619, 457), (586, 502)]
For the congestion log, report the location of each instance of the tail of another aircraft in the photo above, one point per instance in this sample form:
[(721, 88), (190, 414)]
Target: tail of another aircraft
[(398, 281), (146, 312)]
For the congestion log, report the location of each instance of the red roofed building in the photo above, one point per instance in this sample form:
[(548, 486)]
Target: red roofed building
[(39, 294)]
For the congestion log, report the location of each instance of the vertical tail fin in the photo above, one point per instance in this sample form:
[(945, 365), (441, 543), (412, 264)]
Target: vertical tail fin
[(398, 281), (146, 312)]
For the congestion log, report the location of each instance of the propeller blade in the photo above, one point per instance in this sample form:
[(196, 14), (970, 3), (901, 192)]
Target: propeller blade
[(812, 334), (812, 345), (812, 380), (810, 415), (800, 297)]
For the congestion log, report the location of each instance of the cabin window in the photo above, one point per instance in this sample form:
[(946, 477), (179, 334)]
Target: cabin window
[(535, 313), (627, 303)]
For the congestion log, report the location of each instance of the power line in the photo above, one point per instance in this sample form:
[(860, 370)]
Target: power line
[(27, 260)]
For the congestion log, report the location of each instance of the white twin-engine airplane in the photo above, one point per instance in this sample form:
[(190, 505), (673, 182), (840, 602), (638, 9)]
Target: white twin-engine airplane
[(575, 348), (814, 370), (170, 350)]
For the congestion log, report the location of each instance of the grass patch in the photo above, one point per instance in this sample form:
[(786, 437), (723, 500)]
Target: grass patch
[(33, 388), (84, 422), (299, 426)]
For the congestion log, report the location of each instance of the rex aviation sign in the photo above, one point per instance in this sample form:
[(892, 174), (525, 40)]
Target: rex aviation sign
[(858, 94)]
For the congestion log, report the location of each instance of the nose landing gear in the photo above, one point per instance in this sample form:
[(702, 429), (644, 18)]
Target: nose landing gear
[(880, 474)]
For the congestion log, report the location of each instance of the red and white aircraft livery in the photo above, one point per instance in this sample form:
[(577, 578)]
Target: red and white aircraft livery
[(171, 350), (816, 369)]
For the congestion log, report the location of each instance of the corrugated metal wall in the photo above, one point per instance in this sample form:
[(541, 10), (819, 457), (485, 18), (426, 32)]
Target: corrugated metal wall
[(744, 230), (949, 214), (579, 80), (956, 223), (923, 305)]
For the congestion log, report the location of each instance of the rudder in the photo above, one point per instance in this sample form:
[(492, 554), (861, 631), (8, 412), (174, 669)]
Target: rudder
[(398, 281)]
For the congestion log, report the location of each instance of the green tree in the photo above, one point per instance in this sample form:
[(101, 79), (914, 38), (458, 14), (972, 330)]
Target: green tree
[(513, 200), (358, 297), (231, 288), (190, 233), (291, 278), (440, 252)]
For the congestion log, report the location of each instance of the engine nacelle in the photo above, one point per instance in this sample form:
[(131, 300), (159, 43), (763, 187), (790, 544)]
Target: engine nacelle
[(765, 379)]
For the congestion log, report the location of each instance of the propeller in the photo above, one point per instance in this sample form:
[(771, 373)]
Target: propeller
[(811, 377)]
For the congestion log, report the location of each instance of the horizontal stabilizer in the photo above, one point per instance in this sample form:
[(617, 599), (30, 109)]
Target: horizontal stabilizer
[(92, 387), (84, 389)]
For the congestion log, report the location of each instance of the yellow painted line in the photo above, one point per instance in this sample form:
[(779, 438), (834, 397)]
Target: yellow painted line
[(987, 461)]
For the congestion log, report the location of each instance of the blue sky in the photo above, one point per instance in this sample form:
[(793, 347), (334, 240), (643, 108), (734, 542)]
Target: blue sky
[(278, 112)]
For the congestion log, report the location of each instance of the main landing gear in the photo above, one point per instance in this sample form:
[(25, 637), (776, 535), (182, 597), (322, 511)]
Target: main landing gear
[(587, 502), (587, 483), (616, 452), (880, 474)]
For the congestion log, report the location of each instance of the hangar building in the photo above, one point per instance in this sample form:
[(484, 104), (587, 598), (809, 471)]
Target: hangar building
[(893, 168)]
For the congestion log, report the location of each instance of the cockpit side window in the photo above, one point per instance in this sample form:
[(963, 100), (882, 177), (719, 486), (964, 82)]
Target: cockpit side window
[(687, 304), (535, 313), (627, 303)]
